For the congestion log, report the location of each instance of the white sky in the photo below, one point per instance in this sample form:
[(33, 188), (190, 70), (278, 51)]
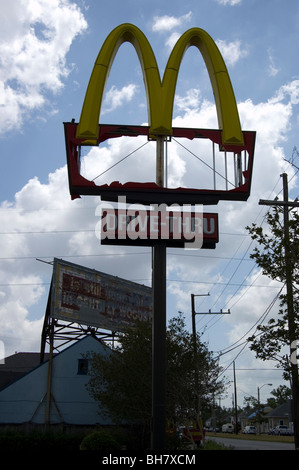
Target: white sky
[(47, 51)]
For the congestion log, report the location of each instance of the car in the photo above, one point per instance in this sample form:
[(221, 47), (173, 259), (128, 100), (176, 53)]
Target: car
[(227, 428), (282, 430), (249, 430)]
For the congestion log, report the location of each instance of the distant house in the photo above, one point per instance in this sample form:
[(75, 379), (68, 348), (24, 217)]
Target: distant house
[(244, 419), (282, 415), (26, 400)]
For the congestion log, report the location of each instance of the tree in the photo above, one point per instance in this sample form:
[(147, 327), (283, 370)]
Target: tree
[(278, 256), (121, 382), (192, 376), (271, 339), (280, 396)]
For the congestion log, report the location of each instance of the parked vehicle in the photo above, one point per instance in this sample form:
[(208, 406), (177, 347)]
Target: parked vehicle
[(281, 430), (193, 434), (249, 430), (228, 428)]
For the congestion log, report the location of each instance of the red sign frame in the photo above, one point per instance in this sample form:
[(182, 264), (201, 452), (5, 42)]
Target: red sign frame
[(151, 193)]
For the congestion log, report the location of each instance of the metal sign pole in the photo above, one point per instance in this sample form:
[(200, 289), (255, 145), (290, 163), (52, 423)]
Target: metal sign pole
[(159, 326)]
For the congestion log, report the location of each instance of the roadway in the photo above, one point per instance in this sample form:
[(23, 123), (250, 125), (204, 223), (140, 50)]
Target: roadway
[(243, 444)]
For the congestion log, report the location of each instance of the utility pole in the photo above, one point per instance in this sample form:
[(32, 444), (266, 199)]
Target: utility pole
[(236, 406), (197, 407), (286, 204), (193, 319), (201, 313)]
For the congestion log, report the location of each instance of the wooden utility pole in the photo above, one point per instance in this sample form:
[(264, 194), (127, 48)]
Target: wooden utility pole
[(286, 204), (236, 406), (197, 406)]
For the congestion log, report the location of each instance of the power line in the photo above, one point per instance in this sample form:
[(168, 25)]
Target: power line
[(242, 259), (259, 321)]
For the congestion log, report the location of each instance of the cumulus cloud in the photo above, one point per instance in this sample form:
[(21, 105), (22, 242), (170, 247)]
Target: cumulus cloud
[(172, 39), (229, 2), (289, 91), (167, 23), (114, 98), (232, 52), (35, 38), (188, 102)]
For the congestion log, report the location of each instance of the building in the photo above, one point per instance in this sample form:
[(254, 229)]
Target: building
[(282, 415), (17, 365), (60, 399)]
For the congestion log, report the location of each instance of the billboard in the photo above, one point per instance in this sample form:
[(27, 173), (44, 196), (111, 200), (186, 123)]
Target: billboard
[(97, 299)]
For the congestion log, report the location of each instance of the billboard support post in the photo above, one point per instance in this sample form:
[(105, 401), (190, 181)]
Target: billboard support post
[(50, 370), (159, 324)]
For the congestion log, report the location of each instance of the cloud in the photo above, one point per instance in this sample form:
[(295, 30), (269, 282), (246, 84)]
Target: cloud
[(289, 92), (115, 98), (272, 69), (35, 38), (229, 2), (231, 51), (167, 23), (172, 39), (188, 102)]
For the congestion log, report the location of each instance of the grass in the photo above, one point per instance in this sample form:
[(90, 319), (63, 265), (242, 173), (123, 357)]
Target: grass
[(253, 437)]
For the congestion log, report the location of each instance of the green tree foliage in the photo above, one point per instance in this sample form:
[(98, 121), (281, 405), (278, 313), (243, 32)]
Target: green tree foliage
[(278, 256), (270, 255), (280, 396), (121, 382)]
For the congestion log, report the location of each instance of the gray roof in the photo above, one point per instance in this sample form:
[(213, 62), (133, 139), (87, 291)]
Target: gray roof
[(17, 365), (282, 411)]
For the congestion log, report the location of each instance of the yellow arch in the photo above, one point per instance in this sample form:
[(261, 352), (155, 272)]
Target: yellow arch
[(160, 95), (226, 106)]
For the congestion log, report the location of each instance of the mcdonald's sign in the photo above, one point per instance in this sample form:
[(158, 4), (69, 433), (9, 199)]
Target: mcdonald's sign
[(160, 99)]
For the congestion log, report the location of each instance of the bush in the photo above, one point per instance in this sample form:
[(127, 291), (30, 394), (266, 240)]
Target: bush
[(100, 440), (38, 441)]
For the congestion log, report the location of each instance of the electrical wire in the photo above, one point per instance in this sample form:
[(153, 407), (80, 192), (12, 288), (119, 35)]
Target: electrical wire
[(220, 317), (258, 322)]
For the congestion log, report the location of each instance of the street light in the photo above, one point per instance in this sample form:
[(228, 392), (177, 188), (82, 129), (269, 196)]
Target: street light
[(258, 401)]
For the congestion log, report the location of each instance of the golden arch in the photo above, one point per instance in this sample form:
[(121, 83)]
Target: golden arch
[(160, 95)]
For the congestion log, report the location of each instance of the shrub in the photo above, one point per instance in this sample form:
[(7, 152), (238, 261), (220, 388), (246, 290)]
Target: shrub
[(38, 441), (100, 440)]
